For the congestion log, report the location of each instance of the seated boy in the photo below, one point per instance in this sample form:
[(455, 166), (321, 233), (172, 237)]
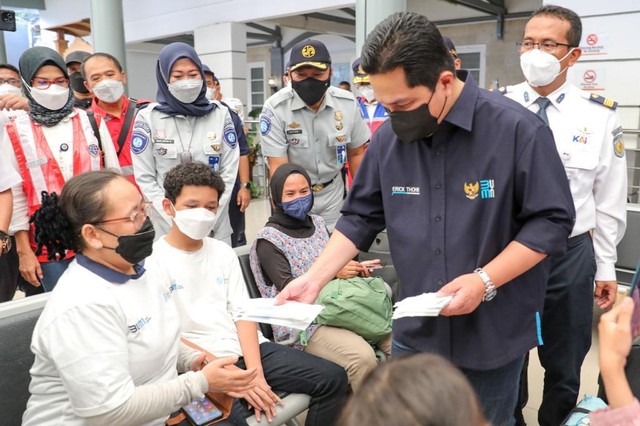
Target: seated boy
[(208, 285)]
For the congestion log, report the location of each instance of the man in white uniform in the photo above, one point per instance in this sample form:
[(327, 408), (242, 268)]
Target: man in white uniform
[(588, 136)]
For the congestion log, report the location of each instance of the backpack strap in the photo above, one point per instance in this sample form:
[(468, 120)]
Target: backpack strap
[(124, 131), (94, 125)]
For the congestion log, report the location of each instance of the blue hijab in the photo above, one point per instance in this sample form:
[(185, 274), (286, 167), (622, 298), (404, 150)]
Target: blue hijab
[(168, 103)]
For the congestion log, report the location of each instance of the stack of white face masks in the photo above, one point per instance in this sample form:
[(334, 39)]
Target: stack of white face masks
[(423, 305), (291, 314)]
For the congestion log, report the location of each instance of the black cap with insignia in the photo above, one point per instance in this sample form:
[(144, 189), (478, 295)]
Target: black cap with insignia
[(450, 46), (309, 53)]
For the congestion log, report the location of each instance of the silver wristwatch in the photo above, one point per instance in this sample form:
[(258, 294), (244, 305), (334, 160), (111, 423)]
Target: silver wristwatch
[(489, 287)]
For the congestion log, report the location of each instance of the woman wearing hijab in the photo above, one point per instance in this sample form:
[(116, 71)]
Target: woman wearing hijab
[(48, 146), (285, 249), (181, 127), (106, 345)]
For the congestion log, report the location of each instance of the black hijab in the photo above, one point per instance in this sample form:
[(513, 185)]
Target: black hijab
[(279, 219), (30, 62)]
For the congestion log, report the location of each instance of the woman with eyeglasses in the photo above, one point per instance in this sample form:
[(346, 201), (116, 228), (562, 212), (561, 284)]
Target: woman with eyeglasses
[(106, 346), (51, 144)]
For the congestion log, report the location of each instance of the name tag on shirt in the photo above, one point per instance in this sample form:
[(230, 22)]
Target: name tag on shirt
[(341, 154)]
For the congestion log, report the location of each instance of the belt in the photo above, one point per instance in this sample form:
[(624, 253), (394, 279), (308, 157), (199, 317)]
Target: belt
[(320, 186)]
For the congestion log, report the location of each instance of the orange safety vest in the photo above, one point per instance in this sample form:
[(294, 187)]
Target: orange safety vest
[(41, 172)]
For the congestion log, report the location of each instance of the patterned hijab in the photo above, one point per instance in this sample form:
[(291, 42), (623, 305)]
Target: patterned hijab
[(30, 62), (168, 103)]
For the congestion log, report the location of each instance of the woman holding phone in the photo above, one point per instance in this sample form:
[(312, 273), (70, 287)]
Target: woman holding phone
[(286, 248), (107, 345)]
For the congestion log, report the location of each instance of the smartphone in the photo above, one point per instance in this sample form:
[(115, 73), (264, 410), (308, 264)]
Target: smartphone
[(202, 411), (634, 293)]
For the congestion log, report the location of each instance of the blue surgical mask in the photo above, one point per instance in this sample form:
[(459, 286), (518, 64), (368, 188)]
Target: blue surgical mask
[(299, 207)]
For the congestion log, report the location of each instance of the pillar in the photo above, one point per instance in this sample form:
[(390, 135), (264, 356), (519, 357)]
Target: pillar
[(370, 13), (223, 47), (107, 28)]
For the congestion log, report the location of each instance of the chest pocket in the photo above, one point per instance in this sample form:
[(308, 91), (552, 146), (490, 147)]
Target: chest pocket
[(580, 165), (165, 149), (297, 140)]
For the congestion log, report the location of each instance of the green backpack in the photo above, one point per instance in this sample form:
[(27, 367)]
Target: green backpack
[(361, 305)]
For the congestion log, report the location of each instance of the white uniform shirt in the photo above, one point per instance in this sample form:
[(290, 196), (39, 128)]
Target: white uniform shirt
[(56, 136), (159, 140), (96, 341), (588, 136), (207, 287)]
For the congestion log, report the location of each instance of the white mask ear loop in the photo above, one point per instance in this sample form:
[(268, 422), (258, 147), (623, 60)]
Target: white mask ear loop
[(563, 58)]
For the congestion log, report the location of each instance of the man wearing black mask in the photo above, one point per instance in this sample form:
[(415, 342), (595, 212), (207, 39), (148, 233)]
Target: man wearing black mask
[(472, 192), (314, 125), (81, 95)]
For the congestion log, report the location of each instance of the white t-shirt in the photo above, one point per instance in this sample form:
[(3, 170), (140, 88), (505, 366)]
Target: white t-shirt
[(96, 341), (207, 287)]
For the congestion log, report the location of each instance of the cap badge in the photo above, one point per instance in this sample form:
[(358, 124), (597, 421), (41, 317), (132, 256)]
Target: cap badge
[(308, 51)]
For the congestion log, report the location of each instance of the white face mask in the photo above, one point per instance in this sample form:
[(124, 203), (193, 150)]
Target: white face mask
[(53, 98), (109, 91), (540, 68), (367, 92), (9, 89), (211, 93), (195, 223), (186, 90)]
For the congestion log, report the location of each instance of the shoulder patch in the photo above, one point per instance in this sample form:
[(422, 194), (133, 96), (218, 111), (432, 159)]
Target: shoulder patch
[(607, 102), (265, 125), (230, 138), (139, 141), (142, 125)]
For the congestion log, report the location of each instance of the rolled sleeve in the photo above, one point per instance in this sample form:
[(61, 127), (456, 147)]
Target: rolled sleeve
[(546, 206)]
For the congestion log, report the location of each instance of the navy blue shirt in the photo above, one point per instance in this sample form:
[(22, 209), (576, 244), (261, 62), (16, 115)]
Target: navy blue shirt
[(490, 175)]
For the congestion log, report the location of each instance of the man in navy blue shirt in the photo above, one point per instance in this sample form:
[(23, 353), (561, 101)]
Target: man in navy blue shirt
[(474, 197)]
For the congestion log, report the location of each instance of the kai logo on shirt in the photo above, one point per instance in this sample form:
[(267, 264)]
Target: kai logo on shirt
[(134, 328), (485, 188), (405, 190)]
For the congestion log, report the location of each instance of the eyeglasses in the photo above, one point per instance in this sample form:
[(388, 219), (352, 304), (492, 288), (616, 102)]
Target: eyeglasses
[(44, 84), (546, 46), (11, 81), (137, 217)]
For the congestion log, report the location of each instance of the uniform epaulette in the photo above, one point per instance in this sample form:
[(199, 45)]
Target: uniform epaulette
[(337, 93), (607, 102), (504, 89), (280, 96)]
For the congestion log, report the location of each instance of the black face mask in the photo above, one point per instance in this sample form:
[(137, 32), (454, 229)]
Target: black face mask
[(82, 103), (135, 247), (416, 124), (76, 81), (310, 89)]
